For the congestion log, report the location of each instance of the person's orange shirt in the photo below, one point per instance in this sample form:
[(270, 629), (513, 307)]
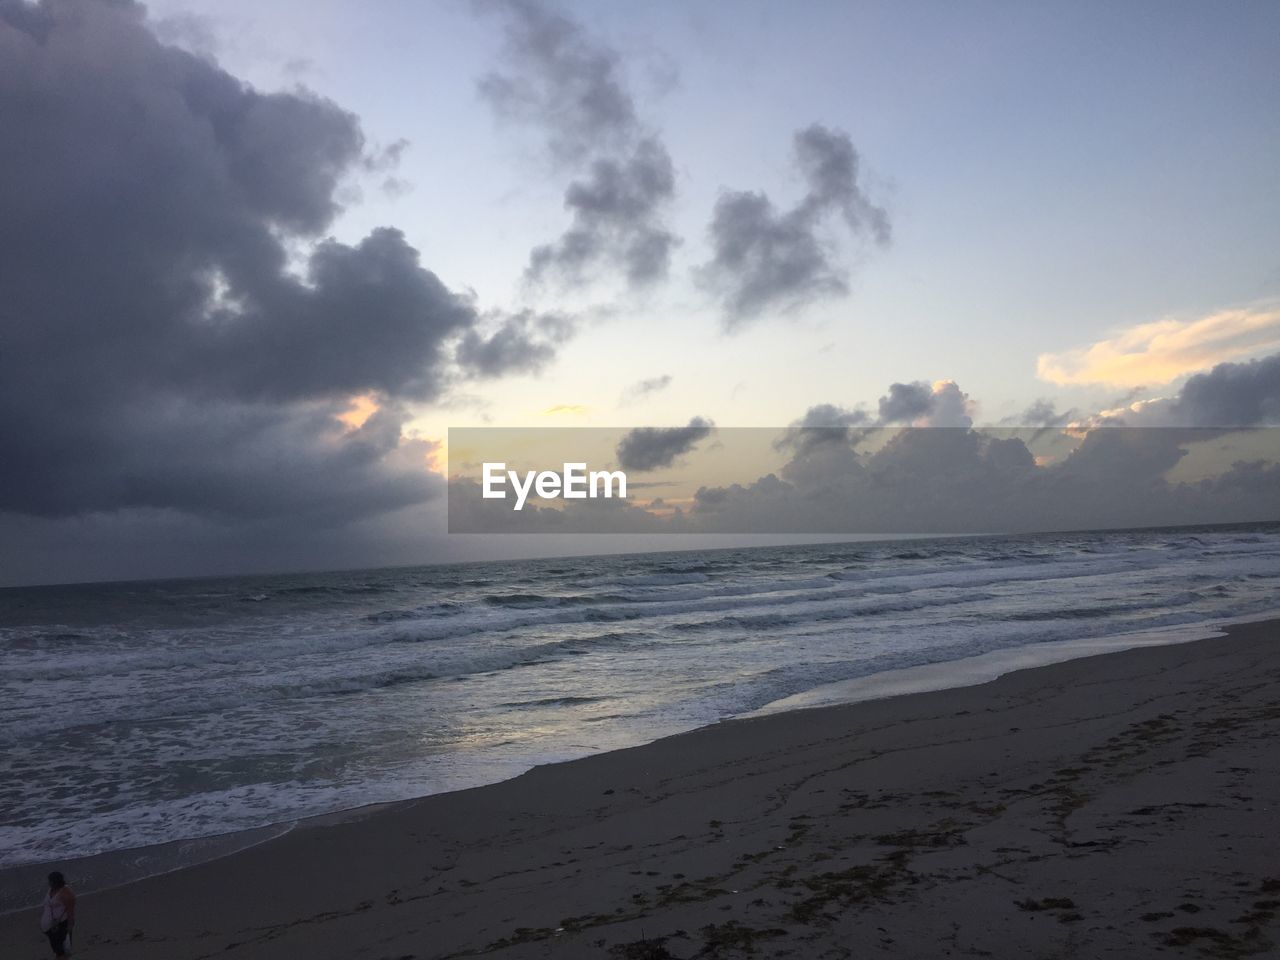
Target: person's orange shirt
[(68, 900)]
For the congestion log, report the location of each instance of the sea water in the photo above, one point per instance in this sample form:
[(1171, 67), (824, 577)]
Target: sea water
[(139, 713)]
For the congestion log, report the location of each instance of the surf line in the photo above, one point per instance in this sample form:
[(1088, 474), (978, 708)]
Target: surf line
[(574, 482)]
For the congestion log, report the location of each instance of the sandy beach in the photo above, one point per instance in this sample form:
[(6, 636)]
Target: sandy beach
[(1120, 805)]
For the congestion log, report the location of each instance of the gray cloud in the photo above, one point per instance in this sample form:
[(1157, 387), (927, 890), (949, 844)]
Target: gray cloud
[(951, 406), (835, 427), (562, 80), (384, 161), (649, 448), (1232, 394), (616, 221), (571, 86), (1229, 395), (524, 342), (968, 481), (766, 259), (369, 318), (645, 388), (1041, 413), (905, 402), (934, 481), (387, 158), (942, 404), (175, 334), (850, 471), (824, 424), (833, 415), (829, 164)]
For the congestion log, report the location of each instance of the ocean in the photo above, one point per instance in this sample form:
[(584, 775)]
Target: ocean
[(144, 712)]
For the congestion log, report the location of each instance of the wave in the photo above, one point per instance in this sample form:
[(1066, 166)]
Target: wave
[(554, 702), (685, 604), (359, 688)]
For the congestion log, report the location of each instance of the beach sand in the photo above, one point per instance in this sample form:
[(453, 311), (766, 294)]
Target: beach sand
[(1121, 805)]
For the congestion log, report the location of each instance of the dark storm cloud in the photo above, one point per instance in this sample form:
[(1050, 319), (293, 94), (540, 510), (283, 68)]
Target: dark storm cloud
[(649, 448), (766, 259), (523, 343), (572, 88), (645, 388), (175, 334), (368, 318)]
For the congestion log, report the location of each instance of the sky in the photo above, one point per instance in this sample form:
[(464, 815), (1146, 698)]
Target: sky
[(262, 256)]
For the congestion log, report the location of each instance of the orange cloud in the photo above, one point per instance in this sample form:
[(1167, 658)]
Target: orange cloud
[(1164, 350), (571, 409), (437, 456), (362, 408)]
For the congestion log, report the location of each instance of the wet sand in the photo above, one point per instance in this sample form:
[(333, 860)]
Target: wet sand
[(1121, 805)]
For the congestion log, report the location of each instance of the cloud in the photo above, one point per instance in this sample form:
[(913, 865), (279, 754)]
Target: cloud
[(920, 404), (1041, 413), (929, 481), (522, 343), (968, 481), (1233, 394), (766, 259), (616, 221), (385, 160), (848, 470), (177, 334), (561, 80), (1044, 415), (571, 87), (829, 164), (649, 448), (1230, 395), (1163, 351), (905, 402), (367, 317), (824, 424), (951, 407), (645, 388)]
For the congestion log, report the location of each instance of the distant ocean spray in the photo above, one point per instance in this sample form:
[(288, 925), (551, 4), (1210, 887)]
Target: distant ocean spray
[(138, 713)]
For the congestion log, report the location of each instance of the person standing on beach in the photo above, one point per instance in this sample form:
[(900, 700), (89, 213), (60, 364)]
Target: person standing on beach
[(59, 916)]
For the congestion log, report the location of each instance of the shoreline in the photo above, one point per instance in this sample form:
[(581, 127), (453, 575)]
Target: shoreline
[(112, 869), (677, 808), (986, 667)]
